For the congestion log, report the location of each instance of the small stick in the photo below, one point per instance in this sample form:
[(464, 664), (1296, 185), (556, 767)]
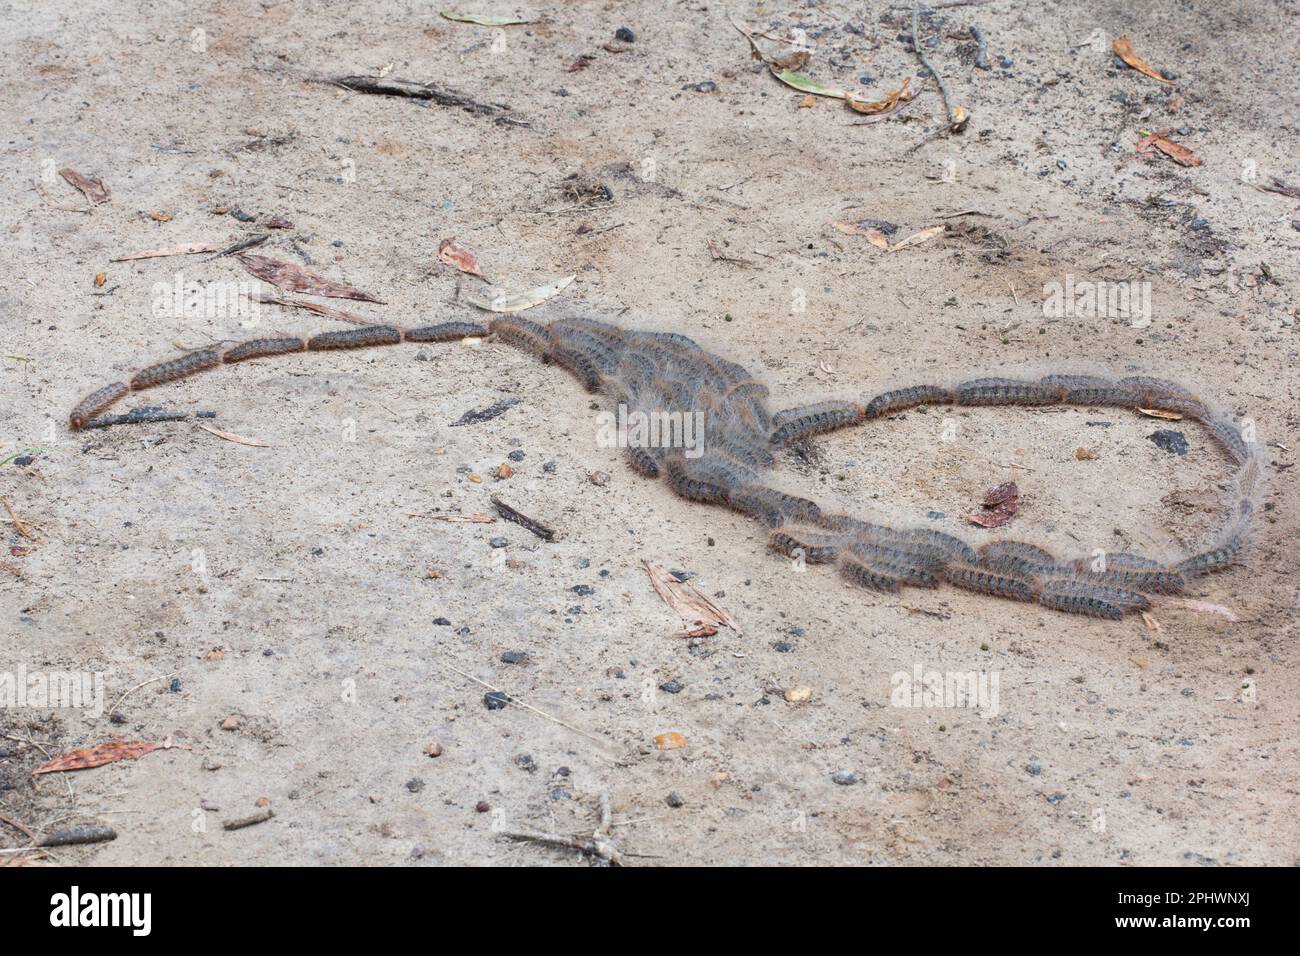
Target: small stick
[(981, 48), (138, 686), (248, 821), (145, 415), (19, 826), (456, 519), (920, 55), (77, 836), (240, 246), (510, 514), (22, 527)]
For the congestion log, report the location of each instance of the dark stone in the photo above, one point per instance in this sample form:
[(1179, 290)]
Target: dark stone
[(624, 35), (583, 590), (496, 700), (672, 687), (1170, 440), (514, 657), (442, 622)]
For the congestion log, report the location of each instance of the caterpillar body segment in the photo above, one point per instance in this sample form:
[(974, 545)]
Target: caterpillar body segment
[(891, 403), (446, 332), (365, 337), (262, 348)]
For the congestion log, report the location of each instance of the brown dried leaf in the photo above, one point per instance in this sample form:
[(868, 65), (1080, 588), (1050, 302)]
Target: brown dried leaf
[(181, 249), (686, 599), (1179, 153), (237, 439), (704, 630), (1000, 505), (454, 254), (916, 238), (98, 755), (295, 278), (315, 307), (1123, 47), (670, 741), (870, 233), (1160, 413), (795, 61), (92, 189), (873, 107)]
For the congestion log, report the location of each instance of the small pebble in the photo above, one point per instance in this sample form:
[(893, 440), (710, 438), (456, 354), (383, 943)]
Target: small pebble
[(624, 35), (844, 778), (415, 785), (549, 467), (516, 455), (230, 723), (783, 647), (433, 749), (482, 807), (25, 460), (1033, 768), (498, 542), (526, 763), (442, 622), (495, 700), (583, 590), (707, 86), (514, 657), (672, 687), (674, 799), (598, 478)]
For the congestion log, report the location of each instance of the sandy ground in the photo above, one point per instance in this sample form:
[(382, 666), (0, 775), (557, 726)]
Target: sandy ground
[(289, 586)]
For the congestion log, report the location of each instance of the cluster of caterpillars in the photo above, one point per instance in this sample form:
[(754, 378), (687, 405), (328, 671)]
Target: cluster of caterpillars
[(663, 373)]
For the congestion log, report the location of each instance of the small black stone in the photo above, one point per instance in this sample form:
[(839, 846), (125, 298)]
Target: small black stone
[(175, 685), (498, 542), (708, 86), (24, 460), (496, 700), (516, 455), (672, 687), (783, 647), (549, 467), (681, 575), (526, 762), (415, 785), (442, 622), (674, 799), (1170, 441), (514, 657), (583, 590), (624, 35)]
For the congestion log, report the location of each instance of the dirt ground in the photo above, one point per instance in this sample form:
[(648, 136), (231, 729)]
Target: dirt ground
[(299, 594)]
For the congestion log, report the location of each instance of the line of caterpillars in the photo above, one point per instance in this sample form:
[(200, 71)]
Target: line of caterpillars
[(657, 372)]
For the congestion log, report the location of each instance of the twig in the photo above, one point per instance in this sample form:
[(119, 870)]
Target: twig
[(456, 519), (599, 845), (526, 706), (78, 836), (521, 519), (240, 246), (21, 526), (249, 821), (920, 55), (138, 686), (19, 826), (981, 48)]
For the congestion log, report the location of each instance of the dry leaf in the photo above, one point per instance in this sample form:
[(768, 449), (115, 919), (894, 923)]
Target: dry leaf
[(494, 300), (100, 754), (157, 216), (295, 278), (686, 599), (454, 254), (1201, 607), (228, 436), (1123, 47), (92, 189), (1160, 413), (100, 279), (872, 107), (1000, 505), (704, 630), (870, 233), (808, 102), (1084, 454), (794, 61), (181, 249), (315, 307), (916, 238), (1179, 153), (670, 741)]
